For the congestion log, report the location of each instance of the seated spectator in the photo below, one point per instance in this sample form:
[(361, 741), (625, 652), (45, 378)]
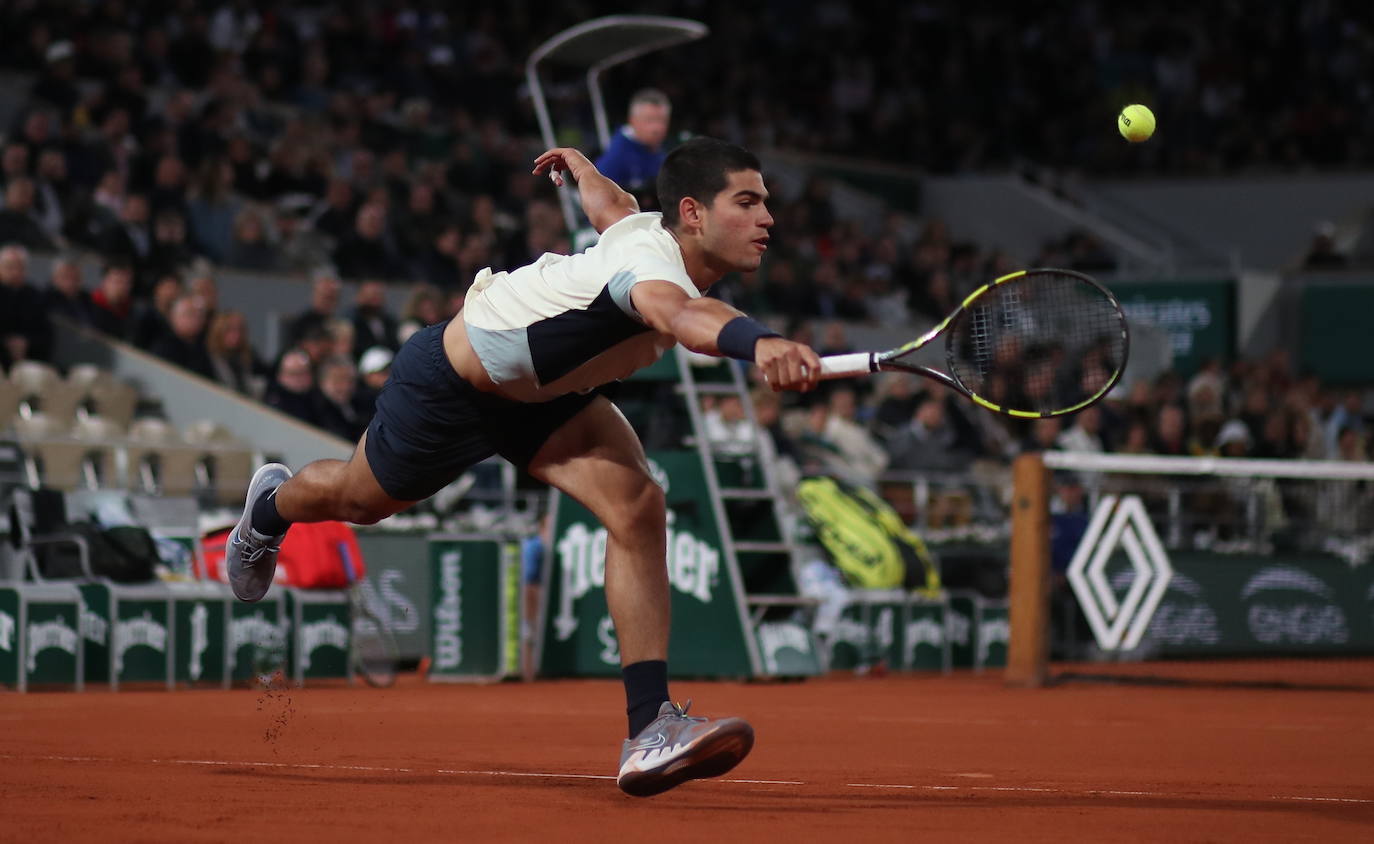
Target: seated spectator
[(183, 344), (366, 252), (334, 216), (65, 295), (128, 236), (897, 401), (19, 219), (1085, 434), (1170, 435), (832, 443), (424, 307), (324, 303), (24, 327), (152, 318), (342, 334), (438, 262), (112, 302), (927, 442), (1044, 435), (1348, 414), (299, 247), (373, 325), (290, 391), (201, 282), (335, 405), (170, 252), (374, 367), (213, 207), (728, 428), (54, 195), (318, 345), (232, 359), (1234, 439), (250, 249)]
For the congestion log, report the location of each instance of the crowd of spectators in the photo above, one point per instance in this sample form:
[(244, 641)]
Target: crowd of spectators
[(906, 426), (390, 142)]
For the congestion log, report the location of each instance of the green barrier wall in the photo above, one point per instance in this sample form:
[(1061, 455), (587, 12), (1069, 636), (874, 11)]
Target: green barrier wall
[(1223, 604), (475, 588), (710, 636)]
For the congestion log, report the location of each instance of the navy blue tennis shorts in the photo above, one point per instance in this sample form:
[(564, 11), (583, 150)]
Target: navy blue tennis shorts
[(431, 425)]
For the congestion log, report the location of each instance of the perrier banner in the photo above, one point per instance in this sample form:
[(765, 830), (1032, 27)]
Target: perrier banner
[(709, 634)]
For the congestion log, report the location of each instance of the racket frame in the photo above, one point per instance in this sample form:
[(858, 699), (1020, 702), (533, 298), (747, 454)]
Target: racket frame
[(859, 363)]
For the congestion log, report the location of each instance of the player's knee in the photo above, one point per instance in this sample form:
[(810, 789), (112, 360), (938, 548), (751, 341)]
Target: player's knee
[(642, 512), (363, 512)]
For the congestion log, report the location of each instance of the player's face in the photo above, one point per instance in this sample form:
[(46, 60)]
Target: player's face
[(736, 228)]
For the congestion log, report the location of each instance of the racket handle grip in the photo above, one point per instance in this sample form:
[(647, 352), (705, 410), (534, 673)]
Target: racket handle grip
[(843, 366)]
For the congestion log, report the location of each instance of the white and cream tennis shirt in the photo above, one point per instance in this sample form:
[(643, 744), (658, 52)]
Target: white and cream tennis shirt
[(565, 323)]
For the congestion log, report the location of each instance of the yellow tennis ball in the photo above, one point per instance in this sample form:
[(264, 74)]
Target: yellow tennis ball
[(1136, 123)]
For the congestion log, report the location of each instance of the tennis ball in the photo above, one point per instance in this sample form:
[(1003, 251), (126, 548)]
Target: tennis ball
[(1136, 123)]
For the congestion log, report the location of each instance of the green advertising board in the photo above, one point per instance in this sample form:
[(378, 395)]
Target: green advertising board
[(476, 606), (200, 611), (901, 631), (788, 649), (1199, 317), (978, 629), (258, 641), (39, 636), (397, 587), (1334, 328), (130, 638), (710, 633), (1221, 604), (320, 623)]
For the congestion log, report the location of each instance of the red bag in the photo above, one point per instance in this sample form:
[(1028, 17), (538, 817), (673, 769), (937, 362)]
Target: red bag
[(322, 555)]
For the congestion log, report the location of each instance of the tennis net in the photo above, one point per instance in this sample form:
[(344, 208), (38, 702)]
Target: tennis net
[(1200, 570)]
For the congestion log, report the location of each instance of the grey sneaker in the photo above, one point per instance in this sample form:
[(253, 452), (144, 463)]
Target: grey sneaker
[(676, 748), (251, 558)]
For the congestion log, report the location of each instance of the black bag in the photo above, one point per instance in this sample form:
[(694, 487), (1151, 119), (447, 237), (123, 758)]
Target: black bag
[(122, 554)]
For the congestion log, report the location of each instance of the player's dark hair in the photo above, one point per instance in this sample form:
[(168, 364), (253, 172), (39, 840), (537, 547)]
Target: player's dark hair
[(700, 168)]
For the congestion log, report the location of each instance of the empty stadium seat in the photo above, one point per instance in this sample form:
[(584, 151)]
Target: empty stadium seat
[(87, 375), (33, 377), (208, 432), (114, 399)]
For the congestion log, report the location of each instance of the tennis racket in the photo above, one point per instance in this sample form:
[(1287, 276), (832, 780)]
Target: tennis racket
[(1031, 344), (373, 654)]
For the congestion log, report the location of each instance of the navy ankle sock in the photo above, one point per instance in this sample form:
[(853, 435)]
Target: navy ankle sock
[(265, 519), (646, 688)]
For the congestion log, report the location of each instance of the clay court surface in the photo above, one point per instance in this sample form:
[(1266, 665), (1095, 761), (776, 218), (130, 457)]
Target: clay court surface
[(958, 758)]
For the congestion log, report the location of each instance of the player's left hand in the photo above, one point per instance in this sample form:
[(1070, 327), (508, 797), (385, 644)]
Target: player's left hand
[(787, 365), (560, 160)]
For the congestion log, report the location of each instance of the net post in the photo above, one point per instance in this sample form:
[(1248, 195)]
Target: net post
[(1028, 649)]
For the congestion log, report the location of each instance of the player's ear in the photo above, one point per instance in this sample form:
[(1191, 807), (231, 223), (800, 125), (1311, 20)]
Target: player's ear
[(689, 211)]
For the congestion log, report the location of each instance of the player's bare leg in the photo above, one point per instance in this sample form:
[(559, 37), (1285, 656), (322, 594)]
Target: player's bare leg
[(597, 459), (343, 490)]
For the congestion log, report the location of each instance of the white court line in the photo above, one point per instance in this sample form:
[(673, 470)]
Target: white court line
[(1155, 795), (524, 774)]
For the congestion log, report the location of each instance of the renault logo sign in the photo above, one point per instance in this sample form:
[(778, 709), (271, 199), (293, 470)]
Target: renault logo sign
[(1120, 624)]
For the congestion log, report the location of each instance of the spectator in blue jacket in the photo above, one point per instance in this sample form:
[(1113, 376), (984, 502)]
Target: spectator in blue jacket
[(636, 151)]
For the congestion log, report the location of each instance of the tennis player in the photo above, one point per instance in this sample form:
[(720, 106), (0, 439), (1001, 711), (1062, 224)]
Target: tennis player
[(517, 373)]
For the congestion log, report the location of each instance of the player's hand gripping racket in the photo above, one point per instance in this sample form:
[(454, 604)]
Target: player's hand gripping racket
[(1033, 343)]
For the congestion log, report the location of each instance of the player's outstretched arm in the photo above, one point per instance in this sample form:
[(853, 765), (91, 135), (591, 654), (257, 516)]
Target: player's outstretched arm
[(711, 327), (603, 201)]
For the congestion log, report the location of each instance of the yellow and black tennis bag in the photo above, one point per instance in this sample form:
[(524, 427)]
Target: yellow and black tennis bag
[(865, 538)]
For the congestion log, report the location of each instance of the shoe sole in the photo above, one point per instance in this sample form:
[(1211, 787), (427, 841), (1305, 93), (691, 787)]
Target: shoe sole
[(253, 492), (718, 753)]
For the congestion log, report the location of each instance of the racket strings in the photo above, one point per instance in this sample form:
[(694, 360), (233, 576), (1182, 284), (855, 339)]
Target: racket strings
[(1042, 342)]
